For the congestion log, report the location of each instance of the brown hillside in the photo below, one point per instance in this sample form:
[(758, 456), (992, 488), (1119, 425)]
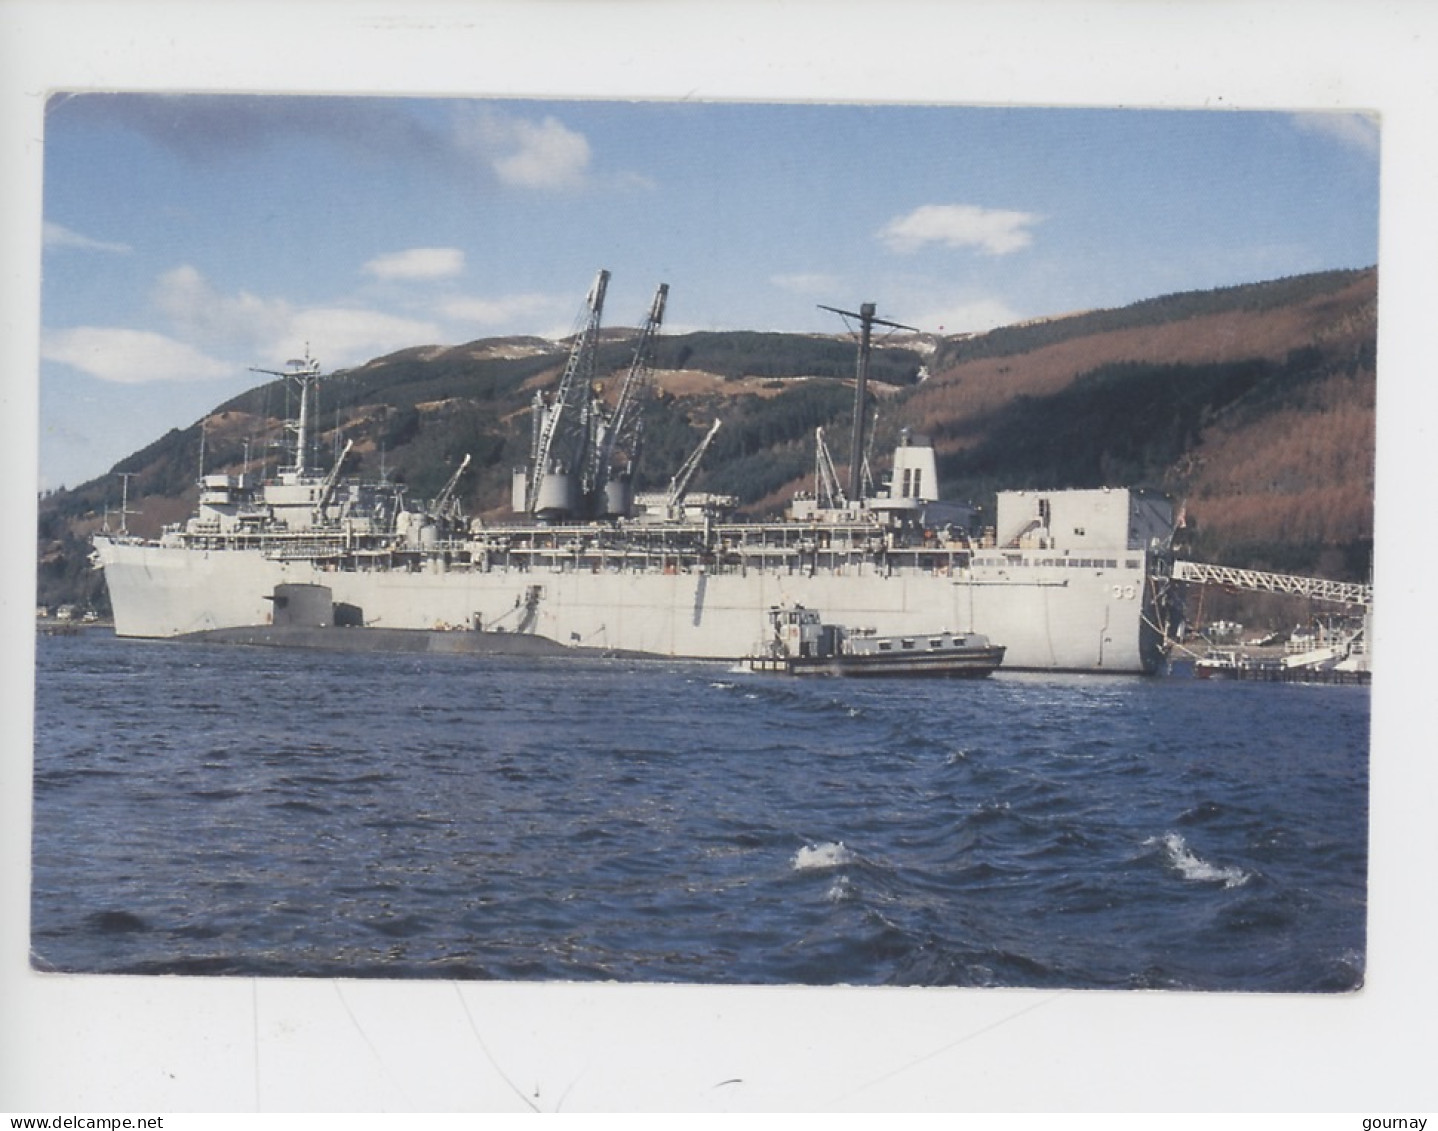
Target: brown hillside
[(1299, 473), (1302, 473), (1295, 476), (973, 389)]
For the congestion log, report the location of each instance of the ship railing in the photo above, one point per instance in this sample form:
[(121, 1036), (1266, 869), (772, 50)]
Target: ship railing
[(740, 558)]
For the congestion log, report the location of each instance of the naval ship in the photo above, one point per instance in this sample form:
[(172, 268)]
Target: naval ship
[(1070, 580)]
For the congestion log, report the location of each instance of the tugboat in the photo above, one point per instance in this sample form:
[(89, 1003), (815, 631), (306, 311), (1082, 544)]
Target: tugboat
[(802, 644)]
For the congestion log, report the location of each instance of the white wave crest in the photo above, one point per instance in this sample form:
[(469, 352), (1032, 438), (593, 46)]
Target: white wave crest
[(828, 855), (1192, 867)]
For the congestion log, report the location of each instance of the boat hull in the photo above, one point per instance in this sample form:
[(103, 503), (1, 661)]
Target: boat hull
[(970, 663), (1048, 617)]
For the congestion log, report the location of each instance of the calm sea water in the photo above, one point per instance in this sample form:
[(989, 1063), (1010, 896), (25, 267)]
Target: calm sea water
[(211, 810)]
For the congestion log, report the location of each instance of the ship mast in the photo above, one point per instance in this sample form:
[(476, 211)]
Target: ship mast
[(125, 511), (304, 372), (867, 322)]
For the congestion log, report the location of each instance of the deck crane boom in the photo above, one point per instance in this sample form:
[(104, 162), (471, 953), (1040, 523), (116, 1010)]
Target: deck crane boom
[(826, 480), (679, 485), (327, 486), (562, 425), (442, 500), (625, 428)]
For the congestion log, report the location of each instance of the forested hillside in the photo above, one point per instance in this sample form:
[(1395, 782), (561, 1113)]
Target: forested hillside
[(1253, 406)]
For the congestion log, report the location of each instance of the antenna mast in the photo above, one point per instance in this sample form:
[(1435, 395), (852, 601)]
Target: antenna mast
[(125, 511), (867, 322), (304, 372)]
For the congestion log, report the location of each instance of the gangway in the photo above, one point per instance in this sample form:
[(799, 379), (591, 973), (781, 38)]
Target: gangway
[(1315, 588)]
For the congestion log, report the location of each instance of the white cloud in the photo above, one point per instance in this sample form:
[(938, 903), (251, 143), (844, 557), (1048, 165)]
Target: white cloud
[(343, 336), (418, 263), (497, 311), (57, 235), (807, 283), (261, 329), (632, 181), (242, 323), (130, 357), (529, 153), (967, 316), (991, 230), (1358, 131)]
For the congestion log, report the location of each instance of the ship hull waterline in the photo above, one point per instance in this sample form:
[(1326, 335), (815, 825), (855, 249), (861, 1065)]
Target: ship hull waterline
[(1048, 618)]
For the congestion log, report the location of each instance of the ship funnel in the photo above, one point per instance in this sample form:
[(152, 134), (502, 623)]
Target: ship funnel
[(916, 471)]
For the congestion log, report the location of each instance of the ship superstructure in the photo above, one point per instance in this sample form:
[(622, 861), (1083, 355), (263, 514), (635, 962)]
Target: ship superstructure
[(1065, 579)]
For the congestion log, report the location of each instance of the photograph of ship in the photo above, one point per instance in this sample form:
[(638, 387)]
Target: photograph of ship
[(436, 614), (705, 544)]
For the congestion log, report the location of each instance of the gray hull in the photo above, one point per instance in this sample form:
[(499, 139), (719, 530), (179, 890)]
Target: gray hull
[(391, 640), (1094, 616)]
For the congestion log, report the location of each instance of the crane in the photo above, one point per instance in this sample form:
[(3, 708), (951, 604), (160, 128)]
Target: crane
[(826, 480), (442, 500), (679, 485), (562, 425), (327, 487), (625, 428)]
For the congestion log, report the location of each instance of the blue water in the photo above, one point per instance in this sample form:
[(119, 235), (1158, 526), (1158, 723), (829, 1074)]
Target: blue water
[(212, 810)]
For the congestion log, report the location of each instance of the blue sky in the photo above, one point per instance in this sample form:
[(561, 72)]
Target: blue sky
[(189, 237)]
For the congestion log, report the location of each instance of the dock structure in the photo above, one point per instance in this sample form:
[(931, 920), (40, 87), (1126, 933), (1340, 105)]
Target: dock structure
[(1268, 672), (1316, 588)]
